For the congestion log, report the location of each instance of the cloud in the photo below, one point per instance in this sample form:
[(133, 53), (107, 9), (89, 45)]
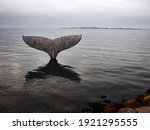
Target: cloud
[(85, 11)]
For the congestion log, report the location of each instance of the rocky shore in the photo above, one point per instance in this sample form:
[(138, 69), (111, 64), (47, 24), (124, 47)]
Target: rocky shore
[(141, 104)]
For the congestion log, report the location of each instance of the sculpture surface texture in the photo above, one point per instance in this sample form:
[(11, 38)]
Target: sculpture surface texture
[(52, 47)]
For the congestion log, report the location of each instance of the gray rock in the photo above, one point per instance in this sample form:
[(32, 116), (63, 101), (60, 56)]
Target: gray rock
[(144, 109), (52, 47), (126, 110)]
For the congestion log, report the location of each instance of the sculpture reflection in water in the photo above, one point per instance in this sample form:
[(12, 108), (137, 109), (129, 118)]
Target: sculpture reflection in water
[(39, 93), (53, 68)]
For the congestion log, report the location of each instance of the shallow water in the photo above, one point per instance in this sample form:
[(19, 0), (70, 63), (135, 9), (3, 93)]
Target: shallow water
[(109, 63)]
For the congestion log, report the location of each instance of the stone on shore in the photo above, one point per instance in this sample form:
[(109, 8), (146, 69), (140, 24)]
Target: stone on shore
[(131, 103), (144, 109), (126, 110), (147, 98), (112, 109)]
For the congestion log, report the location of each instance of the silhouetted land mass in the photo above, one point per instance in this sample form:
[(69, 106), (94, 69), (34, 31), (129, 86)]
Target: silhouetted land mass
[(121, 28)]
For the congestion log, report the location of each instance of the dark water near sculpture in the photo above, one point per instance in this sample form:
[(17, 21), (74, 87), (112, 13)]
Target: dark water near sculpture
[(107, 65)]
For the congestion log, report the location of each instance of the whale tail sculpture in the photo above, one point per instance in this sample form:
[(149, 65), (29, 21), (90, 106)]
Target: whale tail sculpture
[(52, 47)]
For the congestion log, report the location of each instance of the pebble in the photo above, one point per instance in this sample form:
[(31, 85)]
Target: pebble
[(112, 109), (147, 98), (144, 109), (126, 110), (129, 103)]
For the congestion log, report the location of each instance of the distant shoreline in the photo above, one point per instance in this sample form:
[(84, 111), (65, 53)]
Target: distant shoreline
[(121, 28), (94, 28)]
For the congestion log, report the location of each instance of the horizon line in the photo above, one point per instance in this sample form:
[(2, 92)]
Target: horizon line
[(77, 27)]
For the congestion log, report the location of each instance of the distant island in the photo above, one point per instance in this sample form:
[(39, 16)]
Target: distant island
[(121, 28)]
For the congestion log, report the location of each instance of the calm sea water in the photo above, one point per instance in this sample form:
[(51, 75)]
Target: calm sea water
[(106, 65)]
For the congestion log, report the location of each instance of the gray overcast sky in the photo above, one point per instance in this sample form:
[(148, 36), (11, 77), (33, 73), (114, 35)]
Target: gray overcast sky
[(53, 13)]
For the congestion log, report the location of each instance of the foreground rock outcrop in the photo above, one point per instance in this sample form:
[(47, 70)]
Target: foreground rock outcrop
[(141, 104)]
